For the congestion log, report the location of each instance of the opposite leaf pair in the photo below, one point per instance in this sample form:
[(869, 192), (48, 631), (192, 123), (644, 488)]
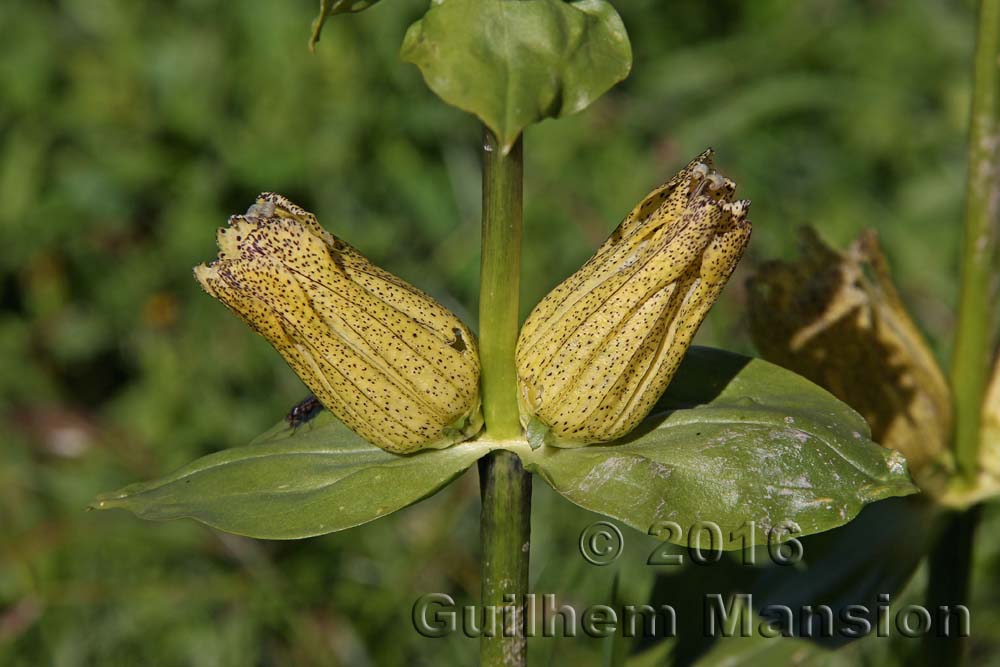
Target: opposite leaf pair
[(403, 372)]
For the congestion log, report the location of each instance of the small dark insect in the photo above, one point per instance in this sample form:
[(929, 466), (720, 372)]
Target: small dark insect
[(303, 411)]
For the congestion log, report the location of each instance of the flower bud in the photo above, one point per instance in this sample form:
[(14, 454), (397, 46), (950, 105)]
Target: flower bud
[(837, 319), (597, 352), (388, 360)]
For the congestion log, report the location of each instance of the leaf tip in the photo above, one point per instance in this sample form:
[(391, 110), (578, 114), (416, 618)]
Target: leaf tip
[(108, 500)]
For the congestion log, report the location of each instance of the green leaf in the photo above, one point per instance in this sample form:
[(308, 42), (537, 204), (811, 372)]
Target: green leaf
[(733, 440), (515, 62), (328, 8), (289, 483)]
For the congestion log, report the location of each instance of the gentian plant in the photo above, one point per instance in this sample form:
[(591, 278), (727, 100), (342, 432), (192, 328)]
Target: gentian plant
[(599, 393)]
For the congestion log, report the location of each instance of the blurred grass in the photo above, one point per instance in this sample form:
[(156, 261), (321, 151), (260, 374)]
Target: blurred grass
[(129, 131)]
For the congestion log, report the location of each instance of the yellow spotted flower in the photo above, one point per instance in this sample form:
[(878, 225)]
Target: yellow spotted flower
[(389, 361), (597, 352)]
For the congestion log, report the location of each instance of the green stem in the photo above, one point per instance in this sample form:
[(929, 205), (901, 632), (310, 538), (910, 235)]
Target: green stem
[(499, 286), (505, 523), (505, 527), (970, 363), (951, 558), (948, 585)]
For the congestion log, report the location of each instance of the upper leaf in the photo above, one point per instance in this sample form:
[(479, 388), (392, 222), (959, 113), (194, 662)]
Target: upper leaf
[(295, 482), (733, 440), (516, 62)]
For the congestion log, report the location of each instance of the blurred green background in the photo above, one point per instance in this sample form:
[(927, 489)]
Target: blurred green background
[(130, 131)]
